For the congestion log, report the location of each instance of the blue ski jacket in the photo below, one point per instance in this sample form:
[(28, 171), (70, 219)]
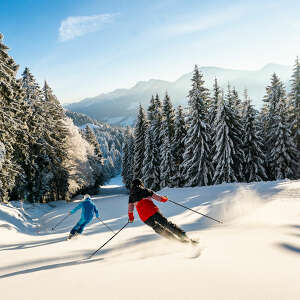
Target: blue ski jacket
[(88, 208)]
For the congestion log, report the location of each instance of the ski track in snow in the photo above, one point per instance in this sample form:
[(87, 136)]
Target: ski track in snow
[(254, 254)]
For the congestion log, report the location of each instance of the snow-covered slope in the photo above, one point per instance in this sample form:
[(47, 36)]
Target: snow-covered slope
[(254, 254)]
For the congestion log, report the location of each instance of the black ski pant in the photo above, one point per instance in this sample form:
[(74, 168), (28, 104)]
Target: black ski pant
[(165, 228)]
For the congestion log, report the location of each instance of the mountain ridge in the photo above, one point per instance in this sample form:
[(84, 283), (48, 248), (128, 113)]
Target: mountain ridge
[(119, 106)]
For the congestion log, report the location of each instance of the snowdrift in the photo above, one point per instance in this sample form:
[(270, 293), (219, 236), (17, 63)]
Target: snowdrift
[(13, 217)]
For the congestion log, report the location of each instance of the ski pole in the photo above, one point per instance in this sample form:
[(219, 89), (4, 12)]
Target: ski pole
[(107, 241), (60, 222), (105, 225), (195, 211)]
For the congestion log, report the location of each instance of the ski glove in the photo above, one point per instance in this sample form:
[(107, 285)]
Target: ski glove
[(130, 217), (164, 199)]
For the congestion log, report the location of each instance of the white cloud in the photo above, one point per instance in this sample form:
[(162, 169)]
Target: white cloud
[(73, 27)]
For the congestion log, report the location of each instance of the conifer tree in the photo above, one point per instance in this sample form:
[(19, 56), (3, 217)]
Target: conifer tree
[(139, 146), (235, 126), (91, 138), (274, 92), (96, 160), (197, 166), (55, 116), (283, 155), (295, 105), (178, 147), (156, 133), (131, 147), (150, 165), (126, 159), (253, 144), (12, 122), (36, 170), (156, 129), (167, 167), (225, 169), (33, 92), (217, 93), (237, 103), (212, 115)]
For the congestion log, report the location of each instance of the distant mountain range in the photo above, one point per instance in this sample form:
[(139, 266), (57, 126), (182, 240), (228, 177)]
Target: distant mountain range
[(120, 106)]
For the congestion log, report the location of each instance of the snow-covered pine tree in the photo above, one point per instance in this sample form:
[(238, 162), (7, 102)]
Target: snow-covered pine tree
[(244, 104), (217, 93), (155, 129), (167, 166), (47, 175), (253, 146), (283, 156), (57, 152), (212, 115), (116, 156), (237, 102), (151, 109), (225, 171), (39, 161), (156, 126), (13, 127), (269, 115), (235, 125), (178, 147), (150, 167), (295, 103), (139, 147), (131, 145), (96, 160), (126, 159), (91, 138), (33, 92), (197, 166)]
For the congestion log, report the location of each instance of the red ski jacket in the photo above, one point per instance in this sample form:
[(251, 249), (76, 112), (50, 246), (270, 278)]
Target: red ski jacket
[(144, 204)]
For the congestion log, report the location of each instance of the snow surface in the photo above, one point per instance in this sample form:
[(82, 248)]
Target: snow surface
[(254, 254)]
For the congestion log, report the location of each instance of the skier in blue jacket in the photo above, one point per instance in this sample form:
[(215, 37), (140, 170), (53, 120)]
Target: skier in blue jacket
[(88, 209)]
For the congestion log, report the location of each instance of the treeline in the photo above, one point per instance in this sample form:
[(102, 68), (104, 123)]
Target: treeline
[(109, 137), (43, 155), (218, 138)]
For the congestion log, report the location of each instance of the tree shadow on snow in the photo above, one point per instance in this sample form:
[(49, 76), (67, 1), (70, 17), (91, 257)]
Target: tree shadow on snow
[(32, 244), (49, 267), (288, 246)]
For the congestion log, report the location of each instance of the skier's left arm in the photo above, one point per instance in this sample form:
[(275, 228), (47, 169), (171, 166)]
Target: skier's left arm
[(76, 208), (159, 198)]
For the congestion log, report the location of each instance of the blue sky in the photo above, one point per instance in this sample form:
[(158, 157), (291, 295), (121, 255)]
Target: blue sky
[(87, 47)]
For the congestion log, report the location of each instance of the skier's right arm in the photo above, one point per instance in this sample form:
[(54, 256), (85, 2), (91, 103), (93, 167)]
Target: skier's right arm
[(76, 208)]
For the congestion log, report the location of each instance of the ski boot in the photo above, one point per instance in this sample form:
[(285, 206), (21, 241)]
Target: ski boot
[(72, 235)]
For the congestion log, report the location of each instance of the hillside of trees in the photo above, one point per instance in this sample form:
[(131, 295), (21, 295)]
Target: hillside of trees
[(43, 155), (220, 137), (110, 139)]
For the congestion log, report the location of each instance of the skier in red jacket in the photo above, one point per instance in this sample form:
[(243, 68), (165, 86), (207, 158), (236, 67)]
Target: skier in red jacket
[(141, 198)]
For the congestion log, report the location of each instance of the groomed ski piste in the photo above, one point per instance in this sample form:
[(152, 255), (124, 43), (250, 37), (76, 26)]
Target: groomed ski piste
[(254, 254)]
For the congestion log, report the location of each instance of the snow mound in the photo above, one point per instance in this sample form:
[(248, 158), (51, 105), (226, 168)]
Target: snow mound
[(17, 217), (12, 218)]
